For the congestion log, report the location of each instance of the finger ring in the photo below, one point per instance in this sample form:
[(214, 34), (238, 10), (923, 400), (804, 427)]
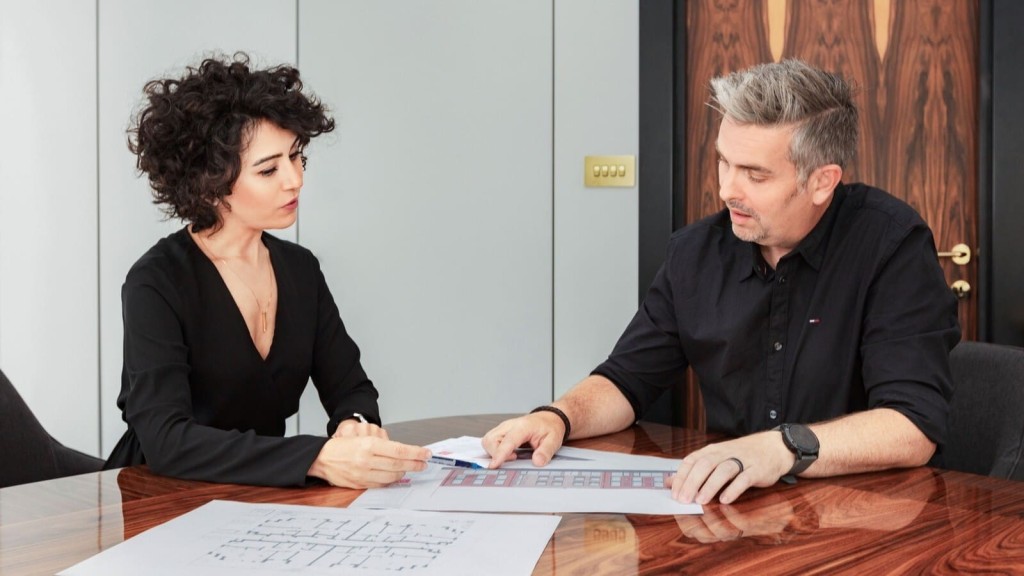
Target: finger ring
[(738, 463)]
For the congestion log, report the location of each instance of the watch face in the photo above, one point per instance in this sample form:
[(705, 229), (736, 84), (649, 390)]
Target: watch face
[(803, 438)]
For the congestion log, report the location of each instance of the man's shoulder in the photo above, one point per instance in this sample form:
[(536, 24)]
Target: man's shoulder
[(864, 202)]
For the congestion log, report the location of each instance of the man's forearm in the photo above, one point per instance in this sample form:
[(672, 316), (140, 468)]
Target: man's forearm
[(595, 406), (866, 441)]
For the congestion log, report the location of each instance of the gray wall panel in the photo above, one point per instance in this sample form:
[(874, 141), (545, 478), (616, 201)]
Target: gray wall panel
[(596, 113), (431, 208), (48, 268)]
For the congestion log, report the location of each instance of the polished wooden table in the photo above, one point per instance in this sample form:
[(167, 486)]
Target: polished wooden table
[(920, 521)]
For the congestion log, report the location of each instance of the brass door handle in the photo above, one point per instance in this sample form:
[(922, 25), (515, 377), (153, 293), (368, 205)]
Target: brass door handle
[(961, 289), (961, 254)]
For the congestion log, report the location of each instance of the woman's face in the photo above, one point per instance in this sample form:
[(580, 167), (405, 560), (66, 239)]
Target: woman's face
[(266, 193)]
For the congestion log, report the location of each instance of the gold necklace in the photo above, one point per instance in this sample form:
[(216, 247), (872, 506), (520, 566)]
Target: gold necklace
[(263, 309)]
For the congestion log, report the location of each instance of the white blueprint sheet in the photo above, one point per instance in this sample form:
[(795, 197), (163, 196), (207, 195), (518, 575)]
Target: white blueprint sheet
[(576, 480), (235, 538)]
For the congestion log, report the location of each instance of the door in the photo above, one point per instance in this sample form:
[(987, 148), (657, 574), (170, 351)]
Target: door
[(915, 63)]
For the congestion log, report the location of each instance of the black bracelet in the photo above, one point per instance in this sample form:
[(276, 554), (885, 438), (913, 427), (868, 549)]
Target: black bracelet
[(560, 414)]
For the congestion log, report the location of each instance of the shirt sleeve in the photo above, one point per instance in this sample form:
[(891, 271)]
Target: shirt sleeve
[(648, 357), (909, 328), (339, 378), (159, 406)]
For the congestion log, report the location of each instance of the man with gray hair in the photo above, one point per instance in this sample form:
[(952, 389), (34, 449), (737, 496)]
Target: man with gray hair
[(814, 312)]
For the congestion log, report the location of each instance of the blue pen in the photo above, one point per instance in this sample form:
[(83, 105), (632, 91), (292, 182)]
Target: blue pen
[(454, 462)]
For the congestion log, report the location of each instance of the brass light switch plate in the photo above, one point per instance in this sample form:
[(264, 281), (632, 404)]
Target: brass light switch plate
[(617, 171)]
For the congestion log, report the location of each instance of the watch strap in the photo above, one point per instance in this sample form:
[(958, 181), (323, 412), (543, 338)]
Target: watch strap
[(803, 459)]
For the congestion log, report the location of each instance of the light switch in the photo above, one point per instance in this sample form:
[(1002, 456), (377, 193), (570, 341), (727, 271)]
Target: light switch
[(616, 171)]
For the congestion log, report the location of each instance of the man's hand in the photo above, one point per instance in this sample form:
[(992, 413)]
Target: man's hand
[(762, 459), (725, 523), (543, 431), (366, 461)]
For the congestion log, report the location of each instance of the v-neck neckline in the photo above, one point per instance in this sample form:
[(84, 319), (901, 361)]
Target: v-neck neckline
[(239, 317)]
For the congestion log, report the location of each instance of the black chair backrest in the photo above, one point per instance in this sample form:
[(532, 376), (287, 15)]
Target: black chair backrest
[(28, 453), (986, 421)]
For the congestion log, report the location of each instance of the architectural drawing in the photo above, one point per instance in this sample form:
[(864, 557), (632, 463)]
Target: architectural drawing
[(295, 539)]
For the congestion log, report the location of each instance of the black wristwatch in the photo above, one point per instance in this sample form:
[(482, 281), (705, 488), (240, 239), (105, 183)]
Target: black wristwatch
[(802, 442)]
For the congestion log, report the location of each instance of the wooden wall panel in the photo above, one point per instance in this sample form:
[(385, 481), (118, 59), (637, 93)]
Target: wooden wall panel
[(931, 126), (722, 37)]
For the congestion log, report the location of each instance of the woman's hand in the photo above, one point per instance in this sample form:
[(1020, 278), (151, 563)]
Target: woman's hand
[(353, 428), (366, 461)]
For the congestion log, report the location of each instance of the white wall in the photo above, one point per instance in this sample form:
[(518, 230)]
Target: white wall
[(432, 212), (472, 267), (48, 255), (597, 108)]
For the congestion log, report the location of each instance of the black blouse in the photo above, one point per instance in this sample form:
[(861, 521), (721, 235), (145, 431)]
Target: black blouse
[(199, 400)]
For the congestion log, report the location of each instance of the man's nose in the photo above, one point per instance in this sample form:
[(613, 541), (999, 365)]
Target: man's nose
[(727, 189)]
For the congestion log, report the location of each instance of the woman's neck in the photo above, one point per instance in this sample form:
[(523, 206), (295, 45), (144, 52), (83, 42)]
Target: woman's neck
[(232, 244)]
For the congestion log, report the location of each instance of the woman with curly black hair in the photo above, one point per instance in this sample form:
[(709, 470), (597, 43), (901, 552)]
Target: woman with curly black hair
[(224, 324)]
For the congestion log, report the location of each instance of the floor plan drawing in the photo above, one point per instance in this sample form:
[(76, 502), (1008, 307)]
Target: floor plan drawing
[(225, 537), (290, 539)]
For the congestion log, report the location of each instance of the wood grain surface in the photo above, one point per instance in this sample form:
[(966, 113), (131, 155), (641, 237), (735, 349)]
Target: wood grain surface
[(917, 521)]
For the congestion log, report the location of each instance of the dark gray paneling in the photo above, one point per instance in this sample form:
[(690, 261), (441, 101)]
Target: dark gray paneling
[(657, 133), (662, 161), (1007, 173)]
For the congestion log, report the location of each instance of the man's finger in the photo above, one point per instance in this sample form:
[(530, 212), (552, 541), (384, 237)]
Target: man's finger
[(719, 477), (697, 475), (735, 488), (506, 448), (543, 453)]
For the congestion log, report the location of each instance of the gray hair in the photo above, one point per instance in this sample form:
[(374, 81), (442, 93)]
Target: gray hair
[(819, 104)]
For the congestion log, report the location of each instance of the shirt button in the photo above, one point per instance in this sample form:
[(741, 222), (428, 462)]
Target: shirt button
[(777, 346), (773, 414), (782, 279)]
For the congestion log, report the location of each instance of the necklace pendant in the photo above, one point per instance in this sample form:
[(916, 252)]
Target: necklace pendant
[(263, 313)]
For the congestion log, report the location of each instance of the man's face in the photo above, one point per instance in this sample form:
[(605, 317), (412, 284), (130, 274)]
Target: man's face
[(758, 184)]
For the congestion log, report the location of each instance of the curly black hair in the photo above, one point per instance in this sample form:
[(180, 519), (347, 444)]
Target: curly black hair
[(191, 132)]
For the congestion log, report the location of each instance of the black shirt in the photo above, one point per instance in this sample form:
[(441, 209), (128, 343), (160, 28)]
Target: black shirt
[(857, 316), (199, 400)]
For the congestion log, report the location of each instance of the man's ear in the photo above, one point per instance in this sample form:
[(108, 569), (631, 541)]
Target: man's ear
[(823, 182)]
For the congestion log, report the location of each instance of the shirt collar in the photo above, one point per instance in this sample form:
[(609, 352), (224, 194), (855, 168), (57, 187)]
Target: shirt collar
[(811, 248)]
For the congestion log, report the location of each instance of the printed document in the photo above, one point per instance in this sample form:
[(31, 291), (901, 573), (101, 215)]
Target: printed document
[(224, 537), (576, 480)]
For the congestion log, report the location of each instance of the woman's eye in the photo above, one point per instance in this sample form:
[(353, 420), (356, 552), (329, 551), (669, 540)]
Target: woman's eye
[(268, 171)]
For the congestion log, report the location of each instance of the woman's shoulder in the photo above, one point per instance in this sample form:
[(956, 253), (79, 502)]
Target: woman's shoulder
[(168, 259)]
